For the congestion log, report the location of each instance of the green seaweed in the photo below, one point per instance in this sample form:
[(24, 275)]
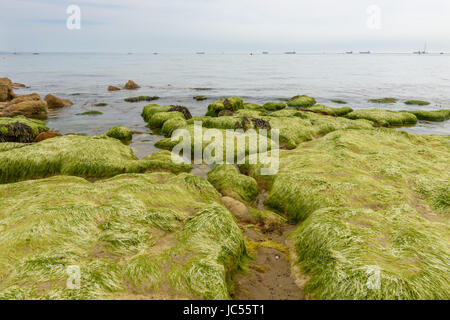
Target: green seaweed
[(435, 115), (121, 133), (320, 108), (384, 118), (153, 236), (20, 129), (90, 157), (273, 106), (384, 100), (417, 102), (302, 101), (90, 113), (231, 103), (228, 181)]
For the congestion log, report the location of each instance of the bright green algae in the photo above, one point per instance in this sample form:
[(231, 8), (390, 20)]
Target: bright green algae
[(91, 157), (301, 101), (435, 115), (228, 181), (375, 199), (121, 133), (231, 103), (135, 236), (20, 129), (384, 118)]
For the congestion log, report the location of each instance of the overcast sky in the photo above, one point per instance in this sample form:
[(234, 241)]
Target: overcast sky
[(225, 25)]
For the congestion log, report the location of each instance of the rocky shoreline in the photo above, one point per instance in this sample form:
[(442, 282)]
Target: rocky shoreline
[(363, 196)]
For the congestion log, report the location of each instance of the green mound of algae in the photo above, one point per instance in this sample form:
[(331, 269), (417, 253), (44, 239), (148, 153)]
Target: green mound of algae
[(231, 103), (20, 129), (384, 118), (121, 133), (229, 182), (301, 101), (369, 200), (90, 157), (436, 115), (320, 108), (135, 236)]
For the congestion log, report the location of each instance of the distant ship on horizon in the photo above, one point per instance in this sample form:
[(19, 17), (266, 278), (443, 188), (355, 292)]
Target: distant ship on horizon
[(290, 52), (349, 52), (265, 52), (200, 52), (364, 52)]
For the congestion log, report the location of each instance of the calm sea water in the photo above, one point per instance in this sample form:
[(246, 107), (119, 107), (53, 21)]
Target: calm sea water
[(176, 78)]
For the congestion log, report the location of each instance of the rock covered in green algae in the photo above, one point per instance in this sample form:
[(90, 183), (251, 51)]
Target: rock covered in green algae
[(151, 109), (384, 100), (121, 133), (436, 115), (384, 118), (135, 236), (141, 98), (231, 103), (417, 102), (273, 106), (338, 101), (381, 189), (20, 129), (156, 116), (252, 106), (90, 113), (362, 254), (91, 157), (302, 101), (228, 181), (320, 108), (163, 160)]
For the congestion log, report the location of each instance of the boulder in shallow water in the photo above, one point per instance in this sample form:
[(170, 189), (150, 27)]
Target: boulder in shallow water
[(113, 88), (17, 85), (6, 92), (130, 85), (56, 103), (25, 97), (36, 109)]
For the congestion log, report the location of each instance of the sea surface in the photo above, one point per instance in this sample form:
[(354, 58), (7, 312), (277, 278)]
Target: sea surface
[(176, 78)]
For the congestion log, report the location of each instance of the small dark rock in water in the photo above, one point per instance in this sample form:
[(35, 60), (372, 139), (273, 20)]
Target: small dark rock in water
[(260, 123), (199, 98), (113, 88), (130, 85), (225, 113), (46, 135), (185, 111), (141, 98), (202, 89)]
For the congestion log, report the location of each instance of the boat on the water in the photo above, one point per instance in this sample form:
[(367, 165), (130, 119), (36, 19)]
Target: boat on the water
[(200, 52), (349, 52), (364, 52), (290, 52), (265, 52), (422, 52)]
